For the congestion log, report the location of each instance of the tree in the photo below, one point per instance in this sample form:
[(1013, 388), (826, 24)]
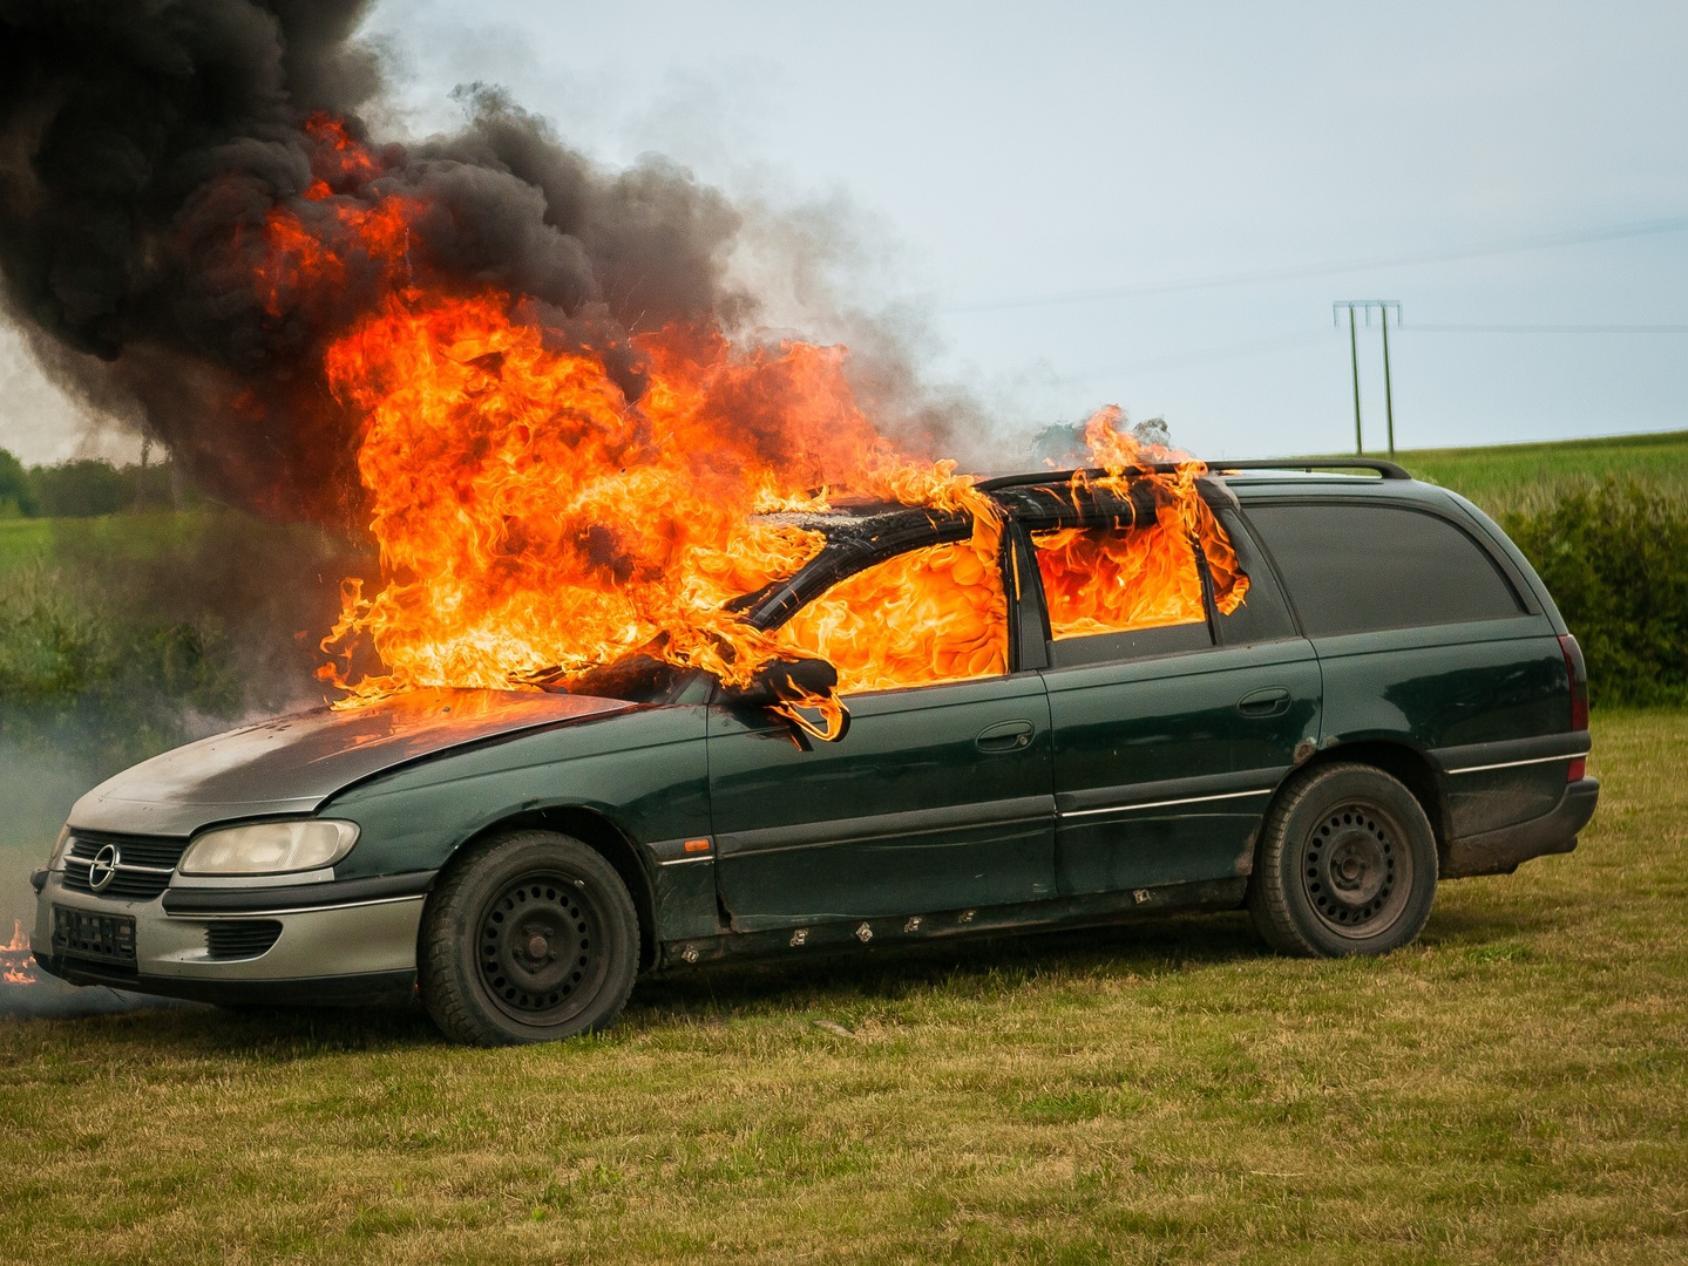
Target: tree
[(79, 489), (16, 495)]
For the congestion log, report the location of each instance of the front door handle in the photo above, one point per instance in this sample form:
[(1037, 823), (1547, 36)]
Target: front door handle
[(1005, 736), (1264, 703)]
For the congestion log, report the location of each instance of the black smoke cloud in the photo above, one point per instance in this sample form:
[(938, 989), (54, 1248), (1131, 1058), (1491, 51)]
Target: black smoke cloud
[(144, 144)]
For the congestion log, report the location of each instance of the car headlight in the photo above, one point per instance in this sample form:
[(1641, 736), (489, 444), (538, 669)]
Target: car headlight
[(59, 846), (270, 848)]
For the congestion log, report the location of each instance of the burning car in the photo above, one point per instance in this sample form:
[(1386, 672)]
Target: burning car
[(1062, 700)]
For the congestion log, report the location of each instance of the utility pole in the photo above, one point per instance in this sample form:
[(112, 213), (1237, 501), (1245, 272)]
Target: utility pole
[(1388, 393), (1354, 364), (1366, 305)]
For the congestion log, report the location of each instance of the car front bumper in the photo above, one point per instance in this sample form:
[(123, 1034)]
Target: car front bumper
[(348, 941)]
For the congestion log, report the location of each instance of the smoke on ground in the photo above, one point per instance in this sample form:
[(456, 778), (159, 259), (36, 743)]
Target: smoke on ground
[(38, 787)]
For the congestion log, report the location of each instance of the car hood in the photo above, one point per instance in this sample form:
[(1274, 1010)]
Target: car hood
[(292, 764)]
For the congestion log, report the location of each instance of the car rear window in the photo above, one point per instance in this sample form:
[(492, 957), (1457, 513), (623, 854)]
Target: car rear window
[(1358, 568), (1120, 592), (931, 615)]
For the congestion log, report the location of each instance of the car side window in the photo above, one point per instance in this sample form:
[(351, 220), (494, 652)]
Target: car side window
[(1263, 616), (931, 615), (1362, 568), (1122, 591)]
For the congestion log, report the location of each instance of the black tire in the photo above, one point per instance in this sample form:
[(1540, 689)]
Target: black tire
[(1346, 865), (529, 937)]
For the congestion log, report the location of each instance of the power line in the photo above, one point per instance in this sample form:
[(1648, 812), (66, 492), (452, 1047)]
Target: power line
[(1197, 357), (1545, 241), (1458, 328), (1205, 355)]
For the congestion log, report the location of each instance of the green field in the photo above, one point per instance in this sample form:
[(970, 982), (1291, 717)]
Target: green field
[(1528, 477), (1514, 1087), (23, 541), (112, 536)]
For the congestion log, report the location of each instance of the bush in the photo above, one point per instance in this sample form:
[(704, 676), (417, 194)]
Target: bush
[(1615, 558), (131, 634), (80, 488), (71, 676), (17, 497)]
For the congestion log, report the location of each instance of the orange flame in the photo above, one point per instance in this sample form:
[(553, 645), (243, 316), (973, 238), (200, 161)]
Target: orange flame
[(337, 158), (1101, 583), (21, 973), (543, 507), (822, 716), (952, 593)]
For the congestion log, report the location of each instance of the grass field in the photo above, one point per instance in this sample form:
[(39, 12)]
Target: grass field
[(23, 541), (1512, 1088), (1527, 477), (116, 536)]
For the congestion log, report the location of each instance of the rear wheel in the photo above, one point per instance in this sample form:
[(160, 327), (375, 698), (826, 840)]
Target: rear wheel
[(531, 937), (1347, 865)]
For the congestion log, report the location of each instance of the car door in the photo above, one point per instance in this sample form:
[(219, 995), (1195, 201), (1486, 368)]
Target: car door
[(937, 798), (1173, 727)]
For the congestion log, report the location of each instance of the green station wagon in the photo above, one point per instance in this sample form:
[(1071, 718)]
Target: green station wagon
[(1396, 702)]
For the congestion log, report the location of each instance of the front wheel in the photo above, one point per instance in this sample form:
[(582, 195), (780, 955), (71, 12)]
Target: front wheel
[(1347, 865), (530, 937)]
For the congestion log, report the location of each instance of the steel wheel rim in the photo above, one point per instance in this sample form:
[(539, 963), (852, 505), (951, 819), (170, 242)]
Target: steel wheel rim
[(1357, 870), (540, 948)]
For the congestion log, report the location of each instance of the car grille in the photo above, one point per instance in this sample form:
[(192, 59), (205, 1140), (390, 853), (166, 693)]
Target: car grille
[(240, 938), (144, 864)]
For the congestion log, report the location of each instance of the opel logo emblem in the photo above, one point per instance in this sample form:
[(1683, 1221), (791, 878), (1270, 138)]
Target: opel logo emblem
[(103, 869)]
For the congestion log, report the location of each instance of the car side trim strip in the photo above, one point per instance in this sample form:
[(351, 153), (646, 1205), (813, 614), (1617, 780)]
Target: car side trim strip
[(1160, 791), (682, 861), (986, 815), (1514, 764), (1505, 753), (1165, 804)]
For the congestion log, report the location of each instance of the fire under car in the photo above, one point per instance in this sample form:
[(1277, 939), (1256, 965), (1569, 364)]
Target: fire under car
[(1394, 701)]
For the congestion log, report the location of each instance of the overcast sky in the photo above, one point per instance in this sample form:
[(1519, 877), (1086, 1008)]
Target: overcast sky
[(1044, 186)]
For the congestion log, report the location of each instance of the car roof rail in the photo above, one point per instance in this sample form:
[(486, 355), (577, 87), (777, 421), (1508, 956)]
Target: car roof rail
[(1387, 470)]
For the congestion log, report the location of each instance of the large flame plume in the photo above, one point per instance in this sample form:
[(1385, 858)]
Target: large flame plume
[(536, 518), (529, 379)]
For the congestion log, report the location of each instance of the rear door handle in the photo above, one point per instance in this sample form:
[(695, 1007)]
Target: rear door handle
[(1264, 703), (1005, 736)]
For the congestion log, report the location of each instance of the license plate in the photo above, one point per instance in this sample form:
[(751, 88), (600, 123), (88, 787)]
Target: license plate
[(106, 938)]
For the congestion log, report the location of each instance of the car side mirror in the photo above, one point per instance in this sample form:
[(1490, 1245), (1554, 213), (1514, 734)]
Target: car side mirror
[(803, 692)]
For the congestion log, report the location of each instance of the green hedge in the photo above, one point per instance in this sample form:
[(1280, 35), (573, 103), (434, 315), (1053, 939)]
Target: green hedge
[(73, 677), (1615, 558)]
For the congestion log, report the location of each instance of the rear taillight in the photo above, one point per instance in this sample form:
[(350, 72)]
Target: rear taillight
[(1577, 674)]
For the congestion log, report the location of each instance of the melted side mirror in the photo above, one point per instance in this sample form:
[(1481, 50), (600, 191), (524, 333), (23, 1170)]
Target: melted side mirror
[(802, 692)]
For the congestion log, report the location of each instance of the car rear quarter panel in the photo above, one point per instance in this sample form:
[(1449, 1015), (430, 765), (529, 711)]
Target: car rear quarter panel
[(1442, 689)]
